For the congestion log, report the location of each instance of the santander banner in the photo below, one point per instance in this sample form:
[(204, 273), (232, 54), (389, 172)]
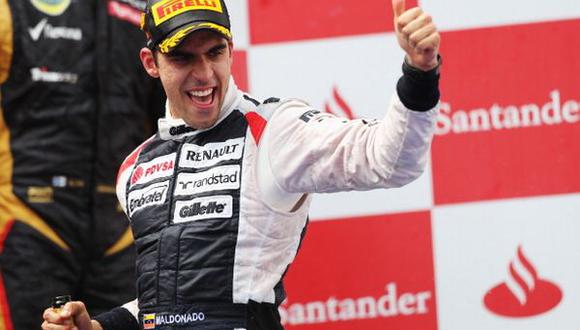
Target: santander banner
[(515, 134), (387, 283)]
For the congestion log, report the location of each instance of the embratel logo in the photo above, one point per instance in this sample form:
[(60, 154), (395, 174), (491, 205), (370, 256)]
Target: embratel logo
[(51, 7), (211, 207), (159, 167), (166, 9), (154, 194), (218, 178), (505, 117), (338, 106), (390, 304), (524, 293), (196, 156)]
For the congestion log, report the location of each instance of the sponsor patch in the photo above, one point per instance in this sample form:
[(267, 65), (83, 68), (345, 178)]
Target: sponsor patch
[(159, 167), (203, 208), (309, 115), (218, 178), (40, 195), (154, 194), (43, 28), (51, 7), (42, 74), (181, 129), (166, 9), (195, 156)]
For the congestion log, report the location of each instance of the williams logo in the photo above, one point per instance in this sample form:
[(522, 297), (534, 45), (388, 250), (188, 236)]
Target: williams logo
[(523, 293), (210, 154), (211, 207), (51, 7), (154, 194), (218, 178)]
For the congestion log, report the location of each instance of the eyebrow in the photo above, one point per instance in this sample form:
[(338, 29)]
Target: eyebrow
[(177, 52), (217, 47)]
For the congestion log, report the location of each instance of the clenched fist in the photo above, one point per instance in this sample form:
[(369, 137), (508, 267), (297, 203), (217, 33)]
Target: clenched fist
[(417, 35)]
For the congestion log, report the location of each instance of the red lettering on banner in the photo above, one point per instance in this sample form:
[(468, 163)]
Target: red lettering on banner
[(331, 287), (506, 130), (332, 309)]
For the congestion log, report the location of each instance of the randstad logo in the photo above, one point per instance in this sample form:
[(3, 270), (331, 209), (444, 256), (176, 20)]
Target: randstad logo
[(51, 7), (523, 293)]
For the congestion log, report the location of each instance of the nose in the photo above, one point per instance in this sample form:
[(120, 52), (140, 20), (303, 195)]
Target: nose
[(202, 70)]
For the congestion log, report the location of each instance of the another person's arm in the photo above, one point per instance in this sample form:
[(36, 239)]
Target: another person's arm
[(73, 314)]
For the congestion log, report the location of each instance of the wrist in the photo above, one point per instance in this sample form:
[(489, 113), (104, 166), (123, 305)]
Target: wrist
[(434, 63)]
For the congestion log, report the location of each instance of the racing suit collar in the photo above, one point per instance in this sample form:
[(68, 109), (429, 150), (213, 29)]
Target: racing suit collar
[(176, 128)]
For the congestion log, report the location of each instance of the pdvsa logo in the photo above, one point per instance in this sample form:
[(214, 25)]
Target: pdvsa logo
[(159, 167), (51, 7), (523, 293)]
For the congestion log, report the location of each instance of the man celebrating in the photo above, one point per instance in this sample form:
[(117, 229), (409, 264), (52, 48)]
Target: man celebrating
[(218, 198)]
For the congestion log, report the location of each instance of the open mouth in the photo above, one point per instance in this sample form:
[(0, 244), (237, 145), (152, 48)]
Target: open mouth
[(202, 98)]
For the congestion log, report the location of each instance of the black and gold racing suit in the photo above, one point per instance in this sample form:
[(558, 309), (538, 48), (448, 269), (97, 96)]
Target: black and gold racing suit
[(74, 102)]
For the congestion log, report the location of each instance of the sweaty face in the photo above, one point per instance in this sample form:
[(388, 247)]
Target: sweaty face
[(195, 77)]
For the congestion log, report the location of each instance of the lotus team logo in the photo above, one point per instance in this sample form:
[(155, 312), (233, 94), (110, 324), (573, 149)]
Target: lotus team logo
[(524, 293), (51, 7)]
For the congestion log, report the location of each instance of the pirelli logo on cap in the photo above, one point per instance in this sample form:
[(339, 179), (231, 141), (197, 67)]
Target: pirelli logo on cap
[(166, 9)]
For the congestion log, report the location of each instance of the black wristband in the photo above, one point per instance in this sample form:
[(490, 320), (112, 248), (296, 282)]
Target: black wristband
[(117, 319), (417, 89)]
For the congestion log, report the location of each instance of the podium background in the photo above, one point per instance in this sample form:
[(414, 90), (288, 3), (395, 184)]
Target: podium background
[(441, 253)]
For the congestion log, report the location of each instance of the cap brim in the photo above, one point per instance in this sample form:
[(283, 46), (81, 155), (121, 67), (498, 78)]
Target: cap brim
[(178, 35)]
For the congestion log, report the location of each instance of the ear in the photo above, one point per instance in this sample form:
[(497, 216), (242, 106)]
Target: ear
[(149, 62)]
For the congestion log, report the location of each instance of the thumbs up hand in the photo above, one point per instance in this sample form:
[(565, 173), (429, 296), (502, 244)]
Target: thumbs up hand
[(417, 35)]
